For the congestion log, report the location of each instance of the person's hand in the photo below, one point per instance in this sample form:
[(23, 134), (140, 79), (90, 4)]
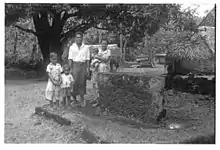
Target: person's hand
[(54, 83), (71, 84)]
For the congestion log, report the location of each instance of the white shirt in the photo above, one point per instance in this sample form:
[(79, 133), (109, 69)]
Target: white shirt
[(77, 54), (51, 67), (54, 70), (66, 80)]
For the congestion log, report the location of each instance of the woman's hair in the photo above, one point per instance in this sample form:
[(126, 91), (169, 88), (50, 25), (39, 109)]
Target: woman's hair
[(53, 54), (79, 33)]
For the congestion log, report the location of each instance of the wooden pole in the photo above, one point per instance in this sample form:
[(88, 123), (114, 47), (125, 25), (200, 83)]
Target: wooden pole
[(121, 43), (15, 47)]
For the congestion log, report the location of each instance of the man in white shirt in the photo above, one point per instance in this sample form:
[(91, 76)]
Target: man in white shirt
[(79, 58)]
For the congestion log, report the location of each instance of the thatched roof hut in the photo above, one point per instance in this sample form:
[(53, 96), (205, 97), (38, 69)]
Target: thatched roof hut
[(209, 19), (194, 53), (200, 46), (194, 48)]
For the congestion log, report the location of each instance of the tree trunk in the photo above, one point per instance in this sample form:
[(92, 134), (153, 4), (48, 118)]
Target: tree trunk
[(151, 57), (44, 47), (33, 53), (47, 45), (48, 36), (150, 53), (15, 48), (124, 49), (55, 45)]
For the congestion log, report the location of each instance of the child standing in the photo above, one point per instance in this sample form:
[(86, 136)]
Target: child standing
[(67, 84), (54, 70)]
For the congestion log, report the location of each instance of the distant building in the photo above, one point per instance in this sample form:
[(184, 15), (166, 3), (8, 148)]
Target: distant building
[(205, 48)]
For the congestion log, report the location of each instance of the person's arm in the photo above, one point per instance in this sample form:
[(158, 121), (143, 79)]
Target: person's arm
[(106, 57), (88, 57), (70, 62), (60, 68), (72, 81), (98, 57), (70, 56), (51, 79), (48, 70)]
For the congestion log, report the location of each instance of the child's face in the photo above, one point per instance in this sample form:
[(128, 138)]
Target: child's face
[(53, 60), (95, 52), (66, 70)]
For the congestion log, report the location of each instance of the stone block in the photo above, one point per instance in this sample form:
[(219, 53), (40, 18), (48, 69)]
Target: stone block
[(132, 95)]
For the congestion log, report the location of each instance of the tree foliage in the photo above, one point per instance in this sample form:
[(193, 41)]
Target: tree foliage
[(134, 20), (55, 23), (180, 27)]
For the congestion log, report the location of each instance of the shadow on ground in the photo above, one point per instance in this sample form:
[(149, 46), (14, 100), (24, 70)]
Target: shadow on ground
[(90, 112)]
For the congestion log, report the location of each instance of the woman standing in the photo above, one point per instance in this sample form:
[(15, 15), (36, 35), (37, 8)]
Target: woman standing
[(104, 58), (79, 56), (104, 54)]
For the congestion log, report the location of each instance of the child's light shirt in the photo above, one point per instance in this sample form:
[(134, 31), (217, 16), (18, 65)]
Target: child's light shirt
[(66, 80), (51, 68), (54, 70)]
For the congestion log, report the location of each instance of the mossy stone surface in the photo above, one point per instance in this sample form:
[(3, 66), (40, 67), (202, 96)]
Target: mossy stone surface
[(131, 95)]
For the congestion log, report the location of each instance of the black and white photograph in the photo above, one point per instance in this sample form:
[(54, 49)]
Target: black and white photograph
[(109, 73)]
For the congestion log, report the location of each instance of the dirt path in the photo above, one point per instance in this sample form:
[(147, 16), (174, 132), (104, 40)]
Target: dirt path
[(21, 126), (195, 121)]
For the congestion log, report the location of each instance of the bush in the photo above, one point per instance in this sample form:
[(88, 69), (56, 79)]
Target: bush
[(197, 85), (19, 48)]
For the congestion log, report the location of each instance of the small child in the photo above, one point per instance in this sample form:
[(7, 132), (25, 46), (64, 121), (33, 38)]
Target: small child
[(95, 61), (54, 70), (67, 84)]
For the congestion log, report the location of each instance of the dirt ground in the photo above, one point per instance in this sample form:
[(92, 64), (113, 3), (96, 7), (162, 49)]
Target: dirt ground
[(21, 126)]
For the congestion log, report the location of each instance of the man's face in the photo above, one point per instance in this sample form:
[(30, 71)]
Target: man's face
[(78, 39)]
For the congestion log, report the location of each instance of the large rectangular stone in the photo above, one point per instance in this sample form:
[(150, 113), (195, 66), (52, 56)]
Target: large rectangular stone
[(132, 95)]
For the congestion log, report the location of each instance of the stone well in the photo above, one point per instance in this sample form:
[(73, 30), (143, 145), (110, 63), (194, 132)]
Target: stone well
[(132, 95)]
